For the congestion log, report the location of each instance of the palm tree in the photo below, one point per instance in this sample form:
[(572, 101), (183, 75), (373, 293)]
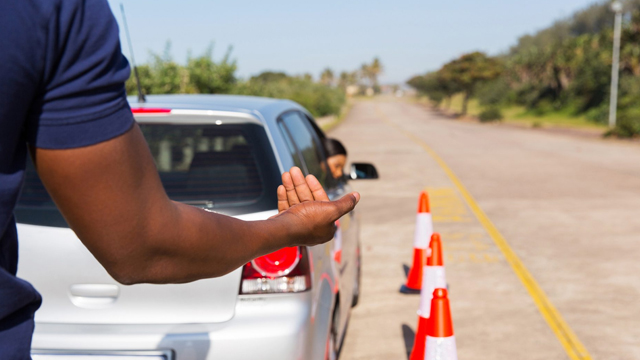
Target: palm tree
[(347, 78), (326, 77), (365, 73), (375, 69)]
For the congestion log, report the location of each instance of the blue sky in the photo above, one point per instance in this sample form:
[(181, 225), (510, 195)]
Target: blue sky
[(409, 36)]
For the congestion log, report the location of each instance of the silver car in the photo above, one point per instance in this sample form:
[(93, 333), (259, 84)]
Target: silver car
[(224, 154)]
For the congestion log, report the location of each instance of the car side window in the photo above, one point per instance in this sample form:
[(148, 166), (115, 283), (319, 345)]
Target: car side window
[(297, 158), (315, 128), (307, 144)]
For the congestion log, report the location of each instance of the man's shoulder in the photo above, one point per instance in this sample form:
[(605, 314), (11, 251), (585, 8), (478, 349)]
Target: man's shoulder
[(44, 12)]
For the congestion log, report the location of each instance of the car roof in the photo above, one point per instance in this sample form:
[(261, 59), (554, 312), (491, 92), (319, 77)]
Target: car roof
[(266, 107)]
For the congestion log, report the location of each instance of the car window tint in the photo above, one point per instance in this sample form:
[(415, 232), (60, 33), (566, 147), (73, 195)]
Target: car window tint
[(291, 147), (315, 128), (306, 143)]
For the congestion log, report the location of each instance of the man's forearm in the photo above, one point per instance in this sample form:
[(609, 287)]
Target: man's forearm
[(194, 244)]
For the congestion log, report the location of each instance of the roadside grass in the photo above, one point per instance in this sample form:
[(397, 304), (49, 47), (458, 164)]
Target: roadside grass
[(520, 115), (455, 106), (562, 118)]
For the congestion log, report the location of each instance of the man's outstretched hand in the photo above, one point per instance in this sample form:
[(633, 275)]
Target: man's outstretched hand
[(305, 209), (296, 189)]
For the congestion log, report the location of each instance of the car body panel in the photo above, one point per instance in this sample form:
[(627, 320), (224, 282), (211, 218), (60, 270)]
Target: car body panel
[(277, 326), (210, 300), (206, 319), (206, 301)]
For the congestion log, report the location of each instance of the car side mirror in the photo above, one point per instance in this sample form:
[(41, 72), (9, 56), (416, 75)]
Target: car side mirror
[(363, 171)]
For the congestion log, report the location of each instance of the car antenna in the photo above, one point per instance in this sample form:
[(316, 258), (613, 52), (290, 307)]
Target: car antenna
[(141, 97)]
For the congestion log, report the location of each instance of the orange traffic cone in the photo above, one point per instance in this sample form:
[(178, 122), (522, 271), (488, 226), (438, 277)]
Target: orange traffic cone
[(337, 249), (433, 277), (440, 342), (433, 274), (424, 228)]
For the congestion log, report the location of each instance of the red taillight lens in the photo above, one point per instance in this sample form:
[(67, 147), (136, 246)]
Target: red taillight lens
[(277, 263), (284, 271)]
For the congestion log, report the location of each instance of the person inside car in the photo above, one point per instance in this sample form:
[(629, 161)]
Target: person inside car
[(63, 102), (336, 157)]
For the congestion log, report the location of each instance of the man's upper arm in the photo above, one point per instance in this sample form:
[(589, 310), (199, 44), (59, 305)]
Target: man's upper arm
[(94, 164), (82, 98)]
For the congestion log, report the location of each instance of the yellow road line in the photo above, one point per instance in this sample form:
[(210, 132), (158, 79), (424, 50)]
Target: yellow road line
[(572, 345)]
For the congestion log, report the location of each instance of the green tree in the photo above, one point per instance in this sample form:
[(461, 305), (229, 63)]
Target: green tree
[(146, 79), (161, 76), (429, 85), (347, 78), (268, 77), (209, 77), (167, 76), (565, 67), (326, 77), (370, 72), (319, 99), (364, 73), (375, 69), (466, 72)]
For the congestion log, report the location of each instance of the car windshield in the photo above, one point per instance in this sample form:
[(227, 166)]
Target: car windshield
[(229, 169)]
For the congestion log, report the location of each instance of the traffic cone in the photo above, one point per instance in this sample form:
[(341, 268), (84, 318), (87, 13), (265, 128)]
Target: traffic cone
[(433, 274), (440, 341), (424, 229), (433, 277), (337, 249)]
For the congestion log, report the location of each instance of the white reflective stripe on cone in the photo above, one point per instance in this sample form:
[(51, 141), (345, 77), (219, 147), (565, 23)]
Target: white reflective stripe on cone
[(441, 348), (433, 277), (338, 239), (424, 230)]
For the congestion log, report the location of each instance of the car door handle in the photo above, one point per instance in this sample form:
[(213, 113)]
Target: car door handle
[(94, 296)]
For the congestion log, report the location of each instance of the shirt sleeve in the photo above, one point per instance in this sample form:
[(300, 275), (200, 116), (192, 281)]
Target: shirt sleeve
[(82, 100)]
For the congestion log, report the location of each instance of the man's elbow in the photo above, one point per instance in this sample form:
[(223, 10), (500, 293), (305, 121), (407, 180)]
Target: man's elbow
[(127, 273), (126, 279), (159, 271), (131, 266), (132, 254)]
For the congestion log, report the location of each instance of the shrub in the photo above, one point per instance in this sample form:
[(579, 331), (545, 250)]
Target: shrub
[(490, 114), (319, 99), (599, 115), (204, 75), (493, 93), (627, 124)]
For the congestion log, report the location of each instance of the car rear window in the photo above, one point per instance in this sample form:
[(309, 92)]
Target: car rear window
[(229, 169)]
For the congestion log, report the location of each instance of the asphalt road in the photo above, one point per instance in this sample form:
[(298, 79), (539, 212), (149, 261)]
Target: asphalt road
[(568, 208)]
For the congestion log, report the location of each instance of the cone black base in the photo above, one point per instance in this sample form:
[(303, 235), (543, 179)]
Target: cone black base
[(409, 291)]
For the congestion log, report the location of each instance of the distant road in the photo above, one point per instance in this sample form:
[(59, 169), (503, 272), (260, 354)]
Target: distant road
[(560, 213)]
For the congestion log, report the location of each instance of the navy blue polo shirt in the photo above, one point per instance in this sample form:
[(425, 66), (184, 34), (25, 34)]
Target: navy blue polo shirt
[(62, 77)]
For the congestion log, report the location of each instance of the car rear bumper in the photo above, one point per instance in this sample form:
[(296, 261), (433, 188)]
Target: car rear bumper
[(263, 327)]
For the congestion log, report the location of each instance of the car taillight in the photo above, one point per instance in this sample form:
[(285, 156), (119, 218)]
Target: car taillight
[(284, 271), (150, 111), (277, 263)]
